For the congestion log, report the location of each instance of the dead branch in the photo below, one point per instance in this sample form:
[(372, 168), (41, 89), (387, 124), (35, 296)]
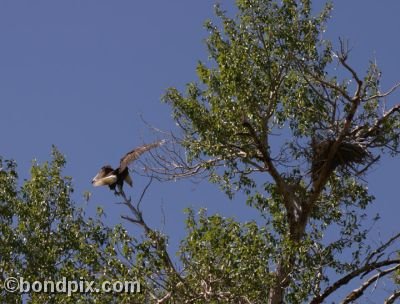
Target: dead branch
[(342, 56), (171, 162), (158, 241)]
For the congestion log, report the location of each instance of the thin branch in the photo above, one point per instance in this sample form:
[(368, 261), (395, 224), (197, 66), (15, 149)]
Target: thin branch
[(165, 298), (343, 60), (170, 162), (387, 93), (383, 118), (323, 82), (380, 249), (265, 155), (363, 170), (377, 124), (158, 240), (144, 192), (130, 219)]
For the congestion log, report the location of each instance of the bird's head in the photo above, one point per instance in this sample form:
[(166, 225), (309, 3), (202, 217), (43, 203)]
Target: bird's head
[(104, 177)]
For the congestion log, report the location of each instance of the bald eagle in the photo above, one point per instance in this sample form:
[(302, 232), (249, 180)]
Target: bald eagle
[(107, 176)]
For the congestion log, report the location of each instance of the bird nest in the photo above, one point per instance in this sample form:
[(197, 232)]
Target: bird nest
[(348, 155)]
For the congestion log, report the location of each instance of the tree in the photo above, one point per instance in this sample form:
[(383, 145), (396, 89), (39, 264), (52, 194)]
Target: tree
[(44, 236), (272, 75)]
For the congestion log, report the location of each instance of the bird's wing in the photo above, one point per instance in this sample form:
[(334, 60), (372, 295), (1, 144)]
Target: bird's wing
[(103, 181), (135, 153)]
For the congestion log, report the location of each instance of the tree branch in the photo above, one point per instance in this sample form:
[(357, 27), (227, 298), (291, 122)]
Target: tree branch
[(343, 60), (158, 240), (346, 279), (387, 93), (357, 293), (381, 248), (265, 154), (378, 123), (393, 297)]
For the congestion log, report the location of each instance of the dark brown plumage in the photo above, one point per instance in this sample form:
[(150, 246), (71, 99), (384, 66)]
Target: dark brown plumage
[(107, 176)]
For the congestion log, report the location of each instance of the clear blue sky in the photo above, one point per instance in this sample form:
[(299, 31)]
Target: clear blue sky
[(79, 74)]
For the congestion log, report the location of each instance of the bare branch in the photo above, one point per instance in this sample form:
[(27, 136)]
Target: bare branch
[(393, 297), (387, 93), (158, 240), (144, 192), (380, 249), (164, 298), (357, 293), (362, 171), (358, 131), (343, 60), (170, 162), (346, 279), (332, 86)]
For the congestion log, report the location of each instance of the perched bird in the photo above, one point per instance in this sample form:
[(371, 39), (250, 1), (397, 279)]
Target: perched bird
[(108, 176)]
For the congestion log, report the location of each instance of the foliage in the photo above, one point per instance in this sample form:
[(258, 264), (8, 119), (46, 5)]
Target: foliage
[(292, 132), (44, 236), (221, 255)]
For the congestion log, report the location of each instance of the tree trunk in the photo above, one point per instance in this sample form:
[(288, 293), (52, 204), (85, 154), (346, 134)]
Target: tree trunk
[(276, 293), (285, 265), (276, 296)]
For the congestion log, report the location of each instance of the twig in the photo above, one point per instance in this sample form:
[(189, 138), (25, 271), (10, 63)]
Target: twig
[(387, 93), (383, 247), (159, 242), (144, 192)]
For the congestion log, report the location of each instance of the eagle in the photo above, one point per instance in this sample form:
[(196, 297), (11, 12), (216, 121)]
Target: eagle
[(107, 176)]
